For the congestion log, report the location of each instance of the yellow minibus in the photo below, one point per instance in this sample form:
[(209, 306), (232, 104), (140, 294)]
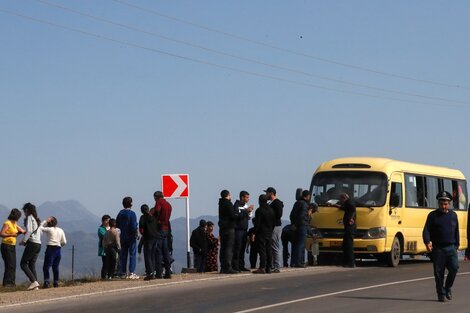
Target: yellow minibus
[(393, 199)]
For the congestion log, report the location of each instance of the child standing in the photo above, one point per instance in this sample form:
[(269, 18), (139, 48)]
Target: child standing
[(112, 247), (55, 238), (101, 231), (9, 232)]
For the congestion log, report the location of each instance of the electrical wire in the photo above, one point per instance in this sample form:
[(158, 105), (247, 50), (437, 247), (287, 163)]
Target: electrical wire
[(162, 52), (302, 54), (132, 28)]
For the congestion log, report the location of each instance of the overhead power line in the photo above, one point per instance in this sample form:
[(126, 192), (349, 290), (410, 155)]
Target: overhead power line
[(162, 52), (296, 71), (298, 53)]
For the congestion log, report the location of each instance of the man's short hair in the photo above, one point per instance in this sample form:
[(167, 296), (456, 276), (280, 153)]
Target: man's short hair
[(158, 195), (127, 202), (243, 193), (305, 193), (224, 193)]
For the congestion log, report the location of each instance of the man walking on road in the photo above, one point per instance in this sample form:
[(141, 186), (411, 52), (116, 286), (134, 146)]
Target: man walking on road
[(277, 207), (442, 239)]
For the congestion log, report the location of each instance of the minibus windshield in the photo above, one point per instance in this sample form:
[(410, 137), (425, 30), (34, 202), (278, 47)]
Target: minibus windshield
[(367, 189)]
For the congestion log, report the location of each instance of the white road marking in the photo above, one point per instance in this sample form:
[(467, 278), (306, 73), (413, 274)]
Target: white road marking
[(338, 293), (121, 289)]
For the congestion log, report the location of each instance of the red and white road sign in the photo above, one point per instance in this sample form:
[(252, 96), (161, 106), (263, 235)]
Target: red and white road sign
[(175, 185)]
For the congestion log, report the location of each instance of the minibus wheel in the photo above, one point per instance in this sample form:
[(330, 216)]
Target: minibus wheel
[(393, 257)]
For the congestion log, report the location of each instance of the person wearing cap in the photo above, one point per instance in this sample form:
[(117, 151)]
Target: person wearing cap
[(198, 242), (442, 239), (277, 207), (300, 220)]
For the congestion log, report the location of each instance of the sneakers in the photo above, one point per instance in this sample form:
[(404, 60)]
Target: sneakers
[(133, 276), (34, 285)]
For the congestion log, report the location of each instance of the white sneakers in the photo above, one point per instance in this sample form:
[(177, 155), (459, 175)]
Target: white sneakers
[(34, 286), (133, 276)]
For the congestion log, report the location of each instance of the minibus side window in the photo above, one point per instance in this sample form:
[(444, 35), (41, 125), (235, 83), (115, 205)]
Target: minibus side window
[(396, 195)]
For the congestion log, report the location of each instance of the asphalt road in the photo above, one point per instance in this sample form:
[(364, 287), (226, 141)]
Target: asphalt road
[(367, 288)]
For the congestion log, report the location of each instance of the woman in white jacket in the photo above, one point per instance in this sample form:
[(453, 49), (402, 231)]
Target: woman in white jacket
[(32, 243)]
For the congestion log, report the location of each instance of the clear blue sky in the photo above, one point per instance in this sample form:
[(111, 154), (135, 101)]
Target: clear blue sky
[(96, 112)]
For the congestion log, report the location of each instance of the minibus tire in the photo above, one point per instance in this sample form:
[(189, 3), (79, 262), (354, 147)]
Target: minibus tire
[(392, 258)]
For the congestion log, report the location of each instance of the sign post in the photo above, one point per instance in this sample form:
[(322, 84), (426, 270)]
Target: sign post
[(177, 186)]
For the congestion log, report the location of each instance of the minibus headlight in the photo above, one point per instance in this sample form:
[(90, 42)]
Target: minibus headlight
[(376, 232)]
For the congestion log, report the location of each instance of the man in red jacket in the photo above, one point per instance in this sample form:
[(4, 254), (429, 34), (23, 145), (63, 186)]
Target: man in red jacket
[(162, 211)]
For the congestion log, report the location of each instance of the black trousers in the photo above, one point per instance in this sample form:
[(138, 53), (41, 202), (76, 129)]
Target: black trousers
[(227, 239), (150, 255), (285, 252), (104, 268), (253, 255), (238, 260), (348, 245), (442, 258), (111, 261), (28, 260), (9, 257), (264, 241)]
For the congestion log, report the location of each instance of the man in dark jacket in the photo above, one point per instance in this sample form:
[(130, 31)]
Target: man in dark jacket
[(277, 206), (227, 222), (265, 222), (148, 228), (442, 239), (241, 229), (349, 222), (200, 246), (299, 220)]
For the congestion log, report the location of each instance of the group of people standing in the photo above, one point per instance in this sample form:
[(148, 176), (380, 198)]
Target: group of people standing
[(32, 231), (264, 237), (118, 241)]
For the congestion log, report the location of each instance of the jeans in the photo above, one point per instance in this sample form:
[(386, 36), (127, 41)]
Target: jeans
[(28, 260), (128, 248), (9, 257), (442, 258), (162, 254), (298, 246), (150, 249), (52, 258), (276, 247), (227, 239)]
